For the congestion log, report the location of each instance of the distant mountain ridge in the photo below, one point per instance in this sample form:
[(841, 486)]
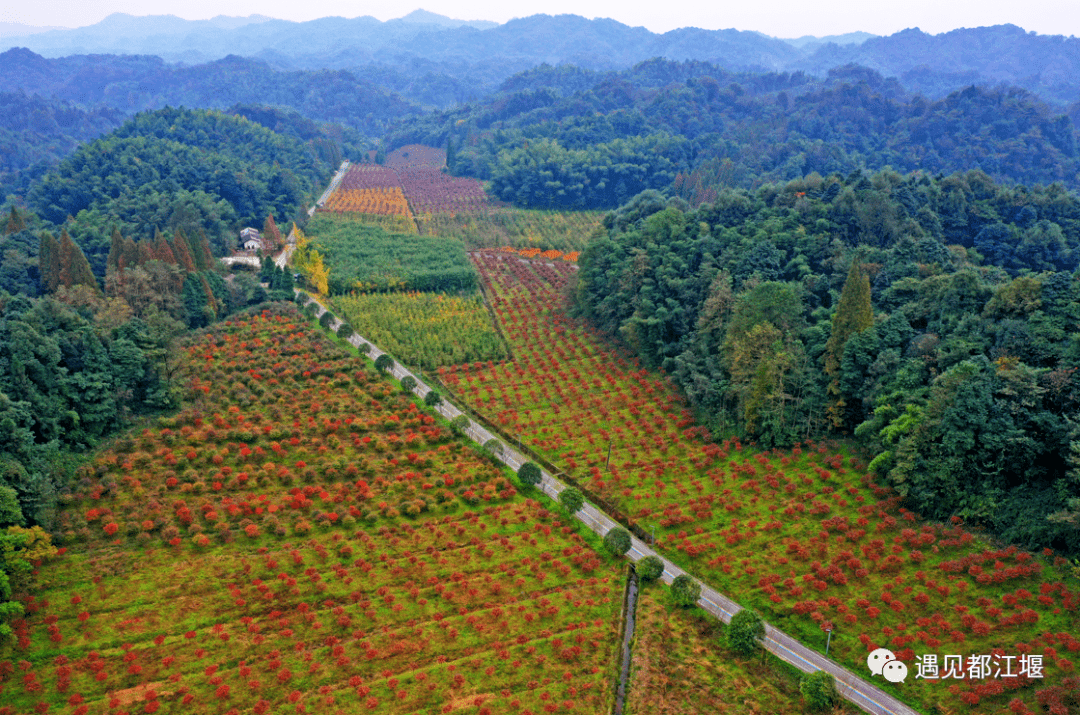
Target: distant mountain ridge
[(934, 65), (337, 42), (437, 61), (430, 18), (134, 83), (848, 38), (18, 29)]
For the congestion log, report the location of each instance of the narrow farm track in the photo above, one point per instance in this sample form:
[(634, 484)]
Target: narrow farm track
[(850, 686), (334, 183)]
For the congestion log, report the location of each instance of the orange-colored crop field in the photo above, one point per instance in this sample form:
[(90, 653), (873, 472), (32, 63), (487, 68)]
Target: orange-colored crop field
[(388, 201), (416, 185)]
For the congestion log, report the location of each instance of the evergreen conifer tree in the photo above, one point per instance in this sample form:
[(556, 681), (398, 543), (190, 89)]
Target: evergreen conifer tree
[(49, 262), (182, 251), (198, 312), (266, 274), (15, 222), (116, 253), (74, 269), (854, 313), (202, 247)]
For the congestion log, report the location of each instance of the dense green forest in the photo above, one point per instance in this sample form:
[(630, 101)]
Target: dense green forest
[(198, 171), (88, 96), (549, 144), (69, 375), (329, 141), (934, 319), (937, 65), (36, 133)]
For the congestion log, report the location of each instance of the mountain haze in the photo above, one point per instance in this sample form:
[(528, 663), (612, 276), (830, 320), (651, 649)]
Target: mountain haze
[(138, 82), (468, 59), (937, 64)]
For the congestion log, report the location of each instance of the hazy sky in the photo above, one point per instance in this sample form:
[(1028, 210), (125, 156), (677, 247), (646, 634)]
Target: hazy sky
[(782, 18)]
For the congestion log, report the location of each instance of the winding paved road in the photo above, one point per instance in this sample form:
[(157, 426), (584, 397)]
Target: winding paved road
[(850, 686)]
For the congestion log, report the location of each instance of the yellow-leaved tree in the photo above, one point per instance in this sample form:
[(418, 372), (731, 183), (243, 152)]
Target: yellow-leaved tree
[(308, 261), (318, 274)]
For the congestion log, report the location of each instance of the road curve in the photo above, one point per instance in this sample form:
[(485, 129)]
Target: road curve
[(850, 686)]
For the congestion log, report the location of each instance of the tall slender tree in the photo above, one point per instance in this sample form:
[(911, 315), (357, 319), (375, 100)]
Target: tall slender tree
[(74, 268), (161, 250), (201, 252), (272, 240), (854, 313), (182, 251), (115, 260), (144, 252), (49, 262), (15, 222), (129, 254)]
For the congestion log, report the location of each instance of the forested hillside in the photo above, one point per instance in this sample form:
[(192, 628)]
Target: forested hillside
[(482, 54), (134, 83), (935, 319), (335, 113), (542, 146), (70, 375), (36, 133), (177, 169), (716, 111), (81, 356)]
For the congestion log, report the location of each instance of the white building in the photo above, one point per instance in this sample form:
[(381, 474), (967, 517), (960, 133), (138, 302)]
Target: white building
[(250, 239)]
